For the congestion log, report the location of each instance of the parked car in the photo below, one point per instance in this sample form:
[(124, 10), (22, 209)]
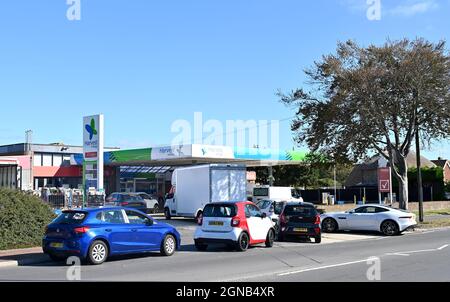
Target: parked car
[(96, 234), (272, 208), (128, 200), (370, 217), (152, 202), (299, 219), (236, 224)]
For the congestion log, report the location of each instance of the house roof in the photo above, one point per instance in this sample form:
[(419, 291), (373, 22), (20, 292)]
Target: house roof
[(440, 162)]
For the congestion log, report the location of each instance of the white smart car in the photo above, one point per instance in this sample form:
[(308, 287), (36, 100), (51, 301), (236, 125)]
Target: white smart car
[(236, 224), (369, 217)]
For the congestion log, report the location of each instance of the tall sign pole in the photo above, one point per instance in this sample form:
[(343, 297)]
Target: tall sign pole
[(93, 145)]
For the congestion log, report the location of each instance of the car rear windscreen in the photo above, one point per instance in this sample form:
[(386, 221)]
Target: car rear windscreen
[(71, 217), (291, 210), (219, 210)]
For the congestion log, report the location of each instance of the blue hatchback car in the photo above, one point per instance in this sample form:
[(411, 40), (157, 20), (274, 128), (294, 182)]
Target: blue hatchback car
[(96, 234)]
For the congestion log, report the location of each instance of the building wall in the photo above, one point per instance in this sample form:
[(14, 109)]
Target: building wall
[(447, 172)]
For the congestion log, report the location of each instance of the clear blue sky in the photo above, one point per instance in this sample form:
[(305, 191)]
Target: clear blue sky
[(146, 63)]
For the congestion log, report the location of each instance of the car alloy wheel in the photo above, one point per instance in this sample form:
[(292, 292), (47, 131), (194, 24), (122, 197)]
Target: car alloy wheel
[(243, 242), (329, 225), (389, 228), (270, 238), (98, 252), (168, 245)]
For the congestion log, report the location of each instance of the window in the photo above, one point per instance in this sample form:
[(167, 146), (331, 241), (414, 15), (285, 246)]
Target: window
[(57, 160), (261, 192), (37, 160), (70, 217), (114, 216), (47, 160), (219, 210), (136, 218), (252, 211), (360, 210), (307, 211)]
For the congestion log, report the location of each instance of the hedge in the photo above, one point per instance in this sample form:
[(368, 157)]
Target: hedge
[(22, 219)]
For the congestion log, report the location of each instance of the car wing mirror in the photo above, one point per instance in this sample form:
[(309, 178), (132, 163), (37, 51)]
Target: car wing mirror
[(263, 215), (149, 222)]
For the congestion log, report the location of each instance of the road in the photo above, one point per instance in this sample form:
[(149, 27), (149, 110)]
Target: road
[(415, 256)]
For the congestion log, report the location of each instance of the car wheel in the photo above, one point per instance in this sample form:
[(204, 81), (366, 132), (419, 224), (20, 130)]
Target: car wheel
[(270, 238), (168, 245), (329, 225), (318, 239), (201, 247), (98, 252), (389, 228), (243, 242), (155, 208), (167, 213)]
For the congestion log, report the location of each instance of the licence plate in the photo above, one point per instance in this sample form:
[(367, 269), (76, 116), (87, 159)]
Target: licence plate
[(218, 223), (57, 245), (300, 230)]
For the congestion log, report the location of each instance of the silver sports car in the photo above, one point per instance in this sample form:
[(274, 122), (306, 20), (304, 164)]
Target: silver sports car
[(369, 217)]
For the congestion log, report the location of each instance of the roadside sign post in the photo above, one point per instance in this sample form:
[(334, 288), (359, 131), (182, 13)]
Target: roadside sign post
[(93, 145), (384, 182)]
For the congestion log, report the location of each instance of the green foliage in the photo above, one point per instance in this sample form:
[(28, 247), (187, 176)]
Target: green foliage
[(22, 219), (316, 172), (447, 187)]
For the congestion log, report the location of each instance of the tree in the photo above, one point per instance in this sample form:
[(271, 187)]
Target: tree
[(362, 100)]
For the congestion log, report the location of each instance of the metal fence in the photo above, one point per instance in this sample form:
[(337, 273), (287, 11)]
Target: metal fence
[(60, 198)]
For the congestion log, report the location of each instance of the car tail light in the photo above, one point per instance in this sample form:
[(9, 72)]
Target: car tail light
[(81, 230), (125, 203), (200, 220), (317, 230), (317, 221), (235, 221)]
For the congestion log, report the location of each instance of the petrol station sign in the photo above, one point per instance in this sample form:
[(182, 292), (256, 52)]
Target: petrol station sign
[(93, 145)]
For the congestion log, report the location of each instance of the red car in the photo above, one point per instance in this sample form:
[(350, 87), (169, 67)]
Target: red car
[(236, 224)]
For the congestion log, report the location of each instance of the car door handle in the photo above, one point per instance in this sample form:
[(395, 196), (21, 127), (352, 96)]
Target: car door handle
[(108, 230), (134, 230)]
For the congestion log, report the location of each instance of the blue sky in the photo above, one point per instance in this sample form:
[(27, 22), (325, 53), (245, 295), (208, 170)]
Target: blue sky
[(146, 63)]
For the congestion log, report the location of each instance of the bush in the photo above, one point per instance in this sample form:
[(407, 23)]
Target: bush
[(22, 219)]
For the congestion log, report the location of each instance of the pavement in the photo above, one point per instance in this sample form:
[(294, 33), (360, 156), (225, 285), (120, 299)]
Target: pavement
[(422, 255)]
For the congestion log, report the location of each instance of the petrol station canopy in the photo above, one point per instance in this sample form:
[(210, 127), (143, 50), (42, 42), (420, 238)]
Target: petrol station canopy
[(194, 154)]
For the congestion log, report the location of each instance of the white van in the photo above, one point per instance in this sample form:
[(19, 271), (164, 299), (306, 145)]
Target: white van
[(196, 186), (272, 193)]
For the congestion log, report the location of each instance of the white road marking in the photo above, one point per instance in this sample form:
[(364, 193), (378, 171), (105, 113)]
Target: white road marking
[(417, 251), (323, 267), (443, 247)]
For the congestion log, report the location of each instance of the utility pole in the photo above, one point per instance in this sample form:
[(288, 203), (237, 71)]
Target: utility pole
[(28, 142), (419, 176), (335, 183)]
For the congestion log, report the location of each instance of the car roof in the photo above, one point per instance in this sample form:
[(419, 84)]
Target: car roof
[(299, 203), (374, 205), (89, 210)]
